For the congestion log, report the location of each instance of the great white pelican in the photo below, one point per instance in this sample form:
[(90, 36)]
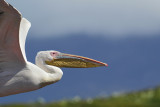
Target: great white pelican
[(17, 75)]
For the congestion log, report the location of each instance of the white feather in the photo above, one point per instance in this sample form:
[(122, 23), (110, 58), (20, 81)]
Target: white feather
[(24, 28)]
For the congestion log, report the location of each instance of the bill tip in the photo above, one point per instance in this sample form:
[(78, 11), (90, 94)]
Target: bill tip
[(106, 65)]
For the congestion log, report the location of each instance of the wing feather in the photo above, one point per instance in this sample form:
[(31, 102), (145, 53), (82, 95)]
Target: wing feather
[(24, 28), (13, 32)]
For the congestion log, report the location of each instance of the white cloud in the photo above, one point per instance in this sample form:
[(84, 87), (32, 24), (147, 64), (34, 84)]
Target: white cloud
[(114, 17)]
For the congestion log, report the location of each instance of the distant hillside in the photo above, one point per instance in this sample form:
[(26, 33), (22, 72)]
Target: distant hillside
[(145, 98)]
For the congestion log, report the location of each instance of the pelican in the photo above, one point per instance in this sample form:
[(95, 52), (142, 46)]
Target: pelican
[(17, 75)]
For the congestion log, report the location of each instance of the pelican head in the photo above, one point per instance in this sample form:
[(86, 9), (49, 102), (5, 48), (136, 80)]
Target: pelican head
[(51, 62), (63, 60)]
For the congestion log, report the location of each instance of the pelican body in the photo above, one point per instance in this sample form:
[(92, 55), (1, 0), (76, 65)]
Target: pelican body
[(17, 75)]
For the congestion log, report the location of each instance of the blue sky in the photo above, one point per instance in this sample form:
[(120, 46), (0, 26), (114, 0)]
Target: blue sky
[(124, 34), (115, 17)]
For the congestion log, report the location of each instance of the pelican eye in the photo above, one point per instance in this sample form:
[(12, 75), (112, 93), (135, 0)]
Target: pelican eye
[(53, 53)]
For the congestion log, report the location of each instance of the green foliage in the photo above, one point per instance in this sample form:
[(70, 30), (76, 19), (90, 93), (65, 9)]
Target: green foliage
[(145, 98)]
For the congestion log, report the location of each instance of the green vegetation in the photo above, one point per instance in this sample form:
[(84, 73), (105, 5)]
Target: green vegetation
[(145, 98)]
